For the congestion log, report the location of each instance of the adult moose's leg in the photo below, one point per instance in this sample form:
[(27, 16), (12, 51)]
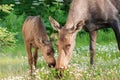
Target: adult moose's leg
[(30, 60), (116, 28), (35, 56), (93, 36)]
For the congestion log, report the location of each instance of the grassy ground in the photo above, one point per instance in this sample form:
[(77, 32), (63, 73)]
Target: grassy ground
[(14, 65)]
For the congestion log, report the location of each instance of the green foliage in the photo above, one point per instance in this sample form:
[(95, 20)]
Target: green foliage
[(6, 8), (57, 12), (13, 23), (106, 36), (44, 8), (6, 38)]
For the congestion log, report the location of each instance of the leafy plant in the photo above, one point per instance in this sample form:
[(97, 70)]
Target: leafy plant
[(6, 38), (6, 8), (53, 9), (13, 23)]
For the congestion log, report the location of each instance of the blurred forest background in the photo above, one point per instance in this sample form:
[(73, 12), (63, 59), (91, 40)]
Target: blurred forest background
[(14, 12)]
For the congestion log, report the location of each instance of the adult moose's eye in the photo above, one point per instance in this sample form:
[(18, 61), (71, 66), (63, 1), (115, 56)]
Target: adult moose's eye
[(68, 46), (48, 53)]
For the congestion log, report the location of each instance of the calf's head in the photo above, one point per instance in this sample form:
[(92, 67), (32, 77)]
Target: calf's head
[(48, 53), (65, 42)]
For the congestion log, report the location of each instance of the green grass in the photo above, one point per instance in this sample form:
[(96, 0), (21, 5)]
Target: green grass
[(103, 37), (12, 61), (14, 64)]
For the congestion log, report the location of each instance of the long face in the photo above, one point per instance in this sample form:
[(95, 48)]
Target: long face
[(65, 43), (48, 54)]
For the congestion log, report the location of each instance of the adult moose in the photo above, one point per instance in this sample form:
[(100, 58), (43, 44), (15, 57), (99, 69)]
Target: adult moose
[(90, 15), (35, 36)]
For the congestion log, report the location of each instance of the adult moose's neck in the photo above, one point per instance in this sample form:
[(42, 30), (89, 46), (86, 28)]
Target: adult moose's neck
[(78, 11)]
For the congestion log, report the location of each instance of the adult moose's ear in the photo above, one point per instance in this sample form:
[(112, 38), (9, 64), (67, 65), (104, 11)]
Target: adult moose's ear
[(54, 24), (78, 26)]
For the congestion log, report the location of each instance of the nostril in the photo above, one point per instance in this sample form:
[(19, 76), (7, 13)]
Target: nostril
[(51, 65)]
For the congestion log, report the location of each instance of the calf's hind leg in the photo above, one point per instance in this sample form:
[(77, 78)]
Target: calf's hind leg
[(35, 56)]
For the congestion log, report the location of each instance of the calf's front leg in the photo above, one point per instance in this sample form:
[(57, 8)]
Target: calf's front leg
[(30, 59)]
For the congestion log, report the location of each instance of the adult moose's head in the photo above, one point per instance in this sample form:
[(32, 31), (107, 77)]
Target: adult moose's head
[(66, 42), (67, 33)]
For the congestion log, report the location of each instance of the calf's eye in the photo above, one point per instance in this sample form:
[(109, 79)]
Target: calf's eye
[(68, 46), (48, 53)]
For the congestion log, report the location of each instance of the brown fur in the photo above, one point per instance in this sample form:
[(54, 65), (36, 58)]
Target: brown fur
[(116, 3), (35, 36)]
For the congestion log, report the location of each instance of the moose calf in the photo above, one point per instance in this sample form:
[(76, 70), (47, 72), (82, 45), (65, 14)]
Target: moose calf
[(35, 36)]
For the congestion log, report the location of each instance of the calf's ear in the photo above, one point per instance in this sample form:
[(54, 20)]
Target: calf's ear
[(54, 24)]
